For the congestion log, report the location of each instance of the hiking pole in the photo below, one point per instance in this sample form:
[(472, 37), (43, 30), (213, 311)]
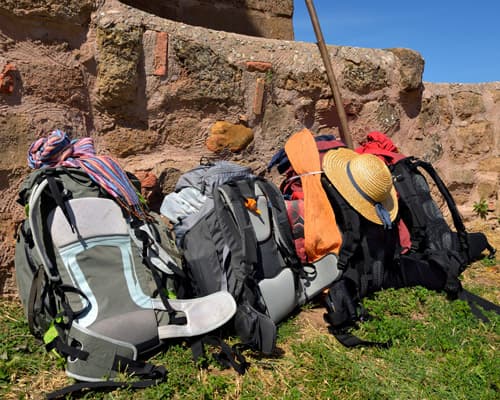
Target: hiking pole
[(344, 130)]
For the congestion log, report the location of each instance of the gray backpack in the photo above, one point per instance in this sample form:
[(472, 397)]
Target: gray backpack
[(98, 284), (233, 230)]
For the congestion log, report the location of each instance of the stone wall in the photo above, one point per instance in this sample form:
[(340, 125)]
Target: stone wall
[(158, 95), (263, 18)]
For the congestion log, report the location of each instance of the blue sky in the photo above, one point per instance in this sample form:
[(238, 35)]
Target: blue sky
[(459, 40)]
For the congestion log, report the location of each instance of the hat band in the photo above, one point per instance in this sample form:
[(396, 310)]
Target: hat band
[(382, 213)]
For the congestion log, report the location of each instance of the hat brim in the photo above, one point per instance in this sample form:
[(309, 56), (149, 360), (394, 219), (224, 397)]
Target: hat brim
[(335, 168)]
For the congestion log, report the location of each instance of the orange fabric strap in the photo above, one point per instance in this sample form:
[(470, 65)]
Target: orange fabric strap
[(321, 233)]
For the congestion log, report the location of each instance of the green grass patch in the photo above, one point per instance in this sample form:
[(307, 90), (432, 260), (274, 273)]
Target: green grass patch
[(440, 351)]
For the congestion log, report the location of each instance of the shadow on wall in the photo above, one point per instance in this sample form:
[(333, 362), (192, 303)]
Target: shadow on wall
[(229, 16)]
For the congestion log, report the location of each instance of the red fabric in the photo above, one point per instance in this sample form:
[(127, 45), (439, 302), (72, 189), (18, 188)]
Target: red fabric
[(404, 237), (295, 213), (380, 145)]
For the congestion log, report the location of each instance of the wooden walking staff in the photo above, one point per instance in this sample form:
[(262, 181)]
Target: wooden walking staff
[(344, 130)]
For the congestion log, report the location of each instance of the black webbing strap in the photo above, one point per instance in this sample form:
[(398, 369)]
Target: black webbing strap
[(82, 388), (474, 301), (138, 368), (150, 375), (347, 339), (65, 349), (347, 220), (228, 356), (68, 313), (450, 263), (35, 299), (59, 200), (343, 313)]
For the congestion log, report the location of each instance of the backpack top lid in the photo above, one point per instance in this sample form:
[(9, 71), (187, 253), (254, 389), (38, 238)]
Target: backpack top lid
[(58, 150), (365, 182)]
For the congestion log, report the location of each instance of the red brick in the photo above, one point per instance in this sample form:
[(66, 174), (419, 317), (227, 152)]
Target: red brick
[(161, 54), (258, 66)]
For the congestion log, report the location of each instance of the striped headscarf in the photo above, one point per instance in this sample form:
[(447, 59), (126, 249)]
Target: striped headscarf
[(59, 150)]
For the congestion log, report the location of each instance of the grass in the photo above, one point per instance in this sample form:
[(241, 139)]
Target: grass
[(440, 351)]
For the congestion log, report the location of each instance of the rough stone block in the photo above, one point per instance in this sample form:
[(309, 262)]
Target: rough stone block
[(225, 135)]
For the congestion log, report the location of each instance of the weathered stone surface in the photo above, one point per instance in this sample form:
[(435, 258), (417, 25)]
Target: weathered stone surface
[(225, 135), (490, 164), (388, 117), (100, 79), (264, 18), (211, 77), (495, 94), (126, 142), (150, 189), (364, 77), (435, 111), (467, 104), (15, 138), (474, 140), (258, 66), (7, 78), (75, 11), (411, 68), (118, 55), (44, 81)]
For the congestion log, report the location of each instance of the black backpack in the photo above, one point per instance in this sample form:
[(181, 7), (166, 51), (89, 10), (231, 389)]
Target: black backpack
[(372, 258), (432, 239), (240, 241)]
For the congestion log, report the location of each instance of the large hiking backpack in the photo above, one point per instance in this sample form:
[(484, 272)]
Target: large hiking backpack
[(432, 238), (436, 258), (95, 280), (373, 257), (234, 234)]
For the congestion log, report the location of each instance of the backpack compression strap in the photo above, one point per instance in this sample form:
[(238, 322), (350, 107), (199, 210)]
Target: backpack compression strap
[(474, 301), (228, 357), (174, 318), (151, 375)]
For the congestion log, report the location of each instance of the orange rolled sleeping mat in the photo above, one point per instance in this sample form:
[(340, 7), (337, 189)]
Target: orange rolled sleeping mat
[(321, 233)]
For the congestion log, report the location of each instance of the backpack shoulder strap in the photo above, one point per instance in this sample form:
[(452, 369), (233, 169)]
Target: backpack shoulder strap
[(36, 223), (239, 236), (348, 219), (457, 218)]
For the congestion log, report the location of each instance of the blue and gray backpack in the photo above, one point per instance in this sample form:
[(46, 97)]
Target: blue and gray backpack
[(234, 234)]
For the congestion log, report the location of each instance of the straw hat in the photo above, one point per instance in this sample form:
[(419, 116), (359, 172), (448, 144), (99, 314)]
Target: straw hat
[(364, 181)]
